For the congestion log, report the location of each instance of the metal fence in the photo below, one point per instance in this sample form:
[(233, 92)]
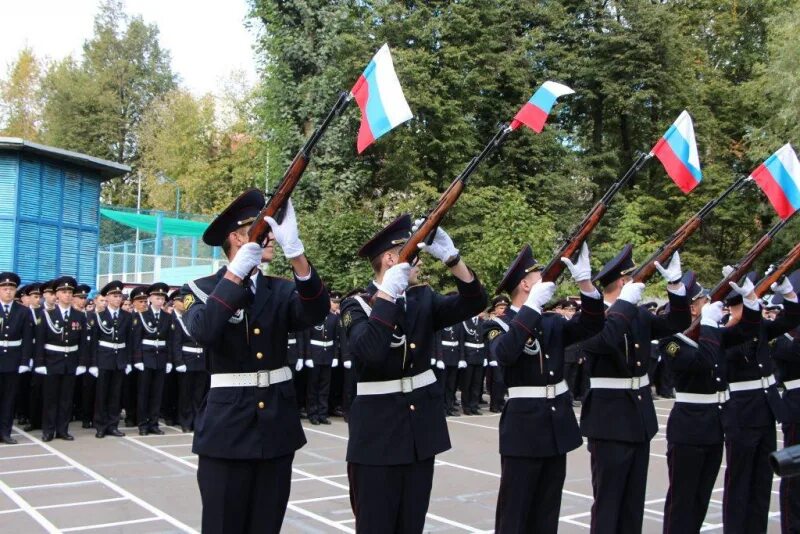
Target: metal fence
[(150, 268)]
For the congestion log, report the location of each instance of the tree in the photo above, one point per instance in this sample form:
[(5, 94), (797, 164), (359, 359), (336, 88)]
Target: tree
[(21, 98)]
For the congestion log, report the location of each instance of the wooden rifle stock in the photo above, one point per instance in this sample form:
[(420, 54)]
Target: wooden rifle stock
[(276, 203), (778, 271)]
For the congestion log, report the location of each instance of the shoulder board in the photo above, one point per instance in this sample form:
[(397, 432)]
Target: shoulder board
[(501, 323)]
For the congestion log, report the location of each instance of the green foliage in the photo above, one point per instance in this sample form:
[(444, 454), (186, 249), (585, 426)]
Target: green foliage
[(21, 98)]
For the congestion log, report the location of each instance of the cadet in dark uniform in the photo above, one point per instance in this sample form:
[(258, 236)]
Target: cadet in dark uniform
[(171, 390), (700, 416), (618, 415), (756, 405), (450, 359), (786, 355), (16, 349), (22, 404), (85, 385), (189, 359), (494, 373), (248, 427), (110, 359), (397, 424), (130, 383), (349, 378), (296, 351), (62, 353), (538, 426), (35, 408), (151, 357), (323, 347), (475, 356)]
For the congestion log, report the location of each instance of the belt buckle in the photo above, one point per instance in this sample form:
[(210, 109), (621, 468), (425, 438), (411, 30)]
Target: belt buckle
[(262, 379), (550, 391), (406, 385), (636, 382), (721, 396), (764, 382)]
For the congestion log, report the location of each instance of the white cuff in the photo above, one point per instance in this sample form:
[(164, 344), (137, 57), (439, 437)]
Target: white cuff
[(305, 278), (594, 295), (753, 304), (680, 292), (790, 300), (709, 322)]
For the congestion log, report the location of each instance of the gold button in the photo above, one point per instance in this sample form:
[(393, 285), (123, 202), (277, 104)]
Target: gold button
[(636, 345), (259, 355), (412, 407), (638, 364), (413, 346), (639, 397), (261, 405), (256, 331)]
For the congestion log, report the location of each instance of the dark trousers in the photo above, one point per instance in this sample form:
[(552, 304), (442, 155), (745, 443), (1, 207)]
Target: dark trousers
[(748, 480), (57, 394), (337, 381), (300, 381), (108, 391), (88, 393), (692, 472), (244, 496), (530, 494), (349, 392), (130, 397), (192, 386), (790, 487), (577, 379), (619, 481), (471, 384), (8, 396), (35, 402), (450, 379), (151, 386), (318, 387), (390, 498), (170, 398), (497, 388), (22, 404)]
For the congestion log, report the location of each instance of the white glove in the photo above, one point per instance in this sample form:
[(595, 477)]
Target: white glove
[(439, 364), (784, 288), (80, 370), (712, 314), (673, 271), (442, 247), (23, 369), (493, 363), (169, 368), (128, 369), (40, 370), (335, 362), (139, 366), (632, 292), (745, 289), (395, 280), (286, 234), (433, 362), (485, 362), (728, 269), (347, 364), (94, 371), (540, 295), (462, 364), (310, 364), (298, 366), (247, 257), (180, 368), (582, 269)]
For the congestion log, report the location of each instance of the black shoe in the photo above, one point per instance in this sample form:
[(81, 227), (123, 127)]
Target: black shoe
[(303, 414), (185, 429), (337, 412), (346, 418), (30, 427), (467, 411), (314, 421), (128, 422), (66, 437), (452, 413), (116, 433), (475, 411), (493, 409), (8, 440), (169, 422), (86, 424), (22, 420), (325, 421), (143, 432), (156, 430), (47, 437), (99, 434)]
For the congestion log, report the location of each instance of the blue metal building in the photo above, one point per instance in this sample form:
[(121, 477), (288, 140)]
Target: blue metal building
[(49, 210)]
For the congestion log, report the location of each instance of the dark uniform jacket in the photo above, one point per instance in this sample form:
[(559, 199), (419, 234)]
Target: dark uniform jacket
[(450, 345), (472, 340), (786, 353), (104, 329), (703, 370), (53, 331), (622, 350), (392, 340), (297, 347), (145, 327), (246, 333), (751, 361), (184, 348), (323, 340), (532, 354), (17, 327)]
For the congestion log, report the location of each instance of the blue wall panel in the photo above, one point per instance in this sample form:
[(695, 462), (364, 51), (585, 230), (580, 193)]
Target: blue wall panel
[(90, 201), (6, 245), (69, 252), (87, 259), (52, 191), (71, 209), (48, 251), (28, 260), (8, 184), (30, 198)]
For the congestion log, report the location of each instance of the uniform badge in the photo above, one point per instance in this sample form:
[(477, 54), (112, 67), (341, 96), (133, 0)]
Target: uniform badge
[(188, 300), (672, 348), (136, 321), (91, 323), (493, 334), (347, 320), (173, 327)]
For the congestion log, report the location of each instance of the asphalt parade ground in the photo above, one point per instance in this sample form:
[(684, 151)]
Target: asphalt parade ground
[(147, 484)]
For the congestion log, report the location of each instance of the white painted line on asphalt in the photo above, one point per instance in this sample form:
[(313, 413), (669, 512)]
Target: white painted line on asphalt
[(472, 424), (27, 508), (320, 499), (27, 444), (452, 523), (24, 456), (38, 470), (326, 476), (108, 525), (12, 511), (172, 446), (125, 493), (159, 451), (56, 485), (319, 518), (81, 503), (315, 431)]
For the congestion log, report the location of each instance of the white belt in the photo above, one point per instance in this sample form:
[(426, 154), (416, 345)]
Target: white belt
[(59, 348), (635, 382), (719, 397), (14, 343), (292, 341), (474, 345), (261, 379), (402, 385), (538, 392), (450, 343), (154, 343), (109, 345), (321, 343), (762, 383), (193, 350), (791, 384)]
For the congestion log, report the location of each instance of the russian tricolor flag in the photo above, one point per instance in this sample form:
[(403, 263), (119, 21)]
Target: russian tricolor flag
[(677, 151), (534, 113), (779, 178), (380, 97)]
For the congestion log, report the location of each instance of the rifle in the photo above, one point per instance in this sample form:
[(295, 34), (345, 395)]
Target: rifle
[(778, 270), (681, 235), (427, 230), (276, 203), (576, 238)]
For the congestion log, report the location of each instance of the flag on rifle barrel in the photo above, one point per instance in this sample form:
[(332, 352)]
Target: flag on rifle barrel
[(677, 151), (779, 178), (534, 113), (380, 97)]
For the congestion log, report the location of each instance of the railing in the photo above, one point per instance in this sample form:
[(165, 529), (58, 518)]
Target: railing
[(150, 268)]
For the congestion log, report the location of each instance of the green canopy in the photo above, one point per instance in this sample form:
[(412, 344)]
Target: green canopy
[(148, 223)]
